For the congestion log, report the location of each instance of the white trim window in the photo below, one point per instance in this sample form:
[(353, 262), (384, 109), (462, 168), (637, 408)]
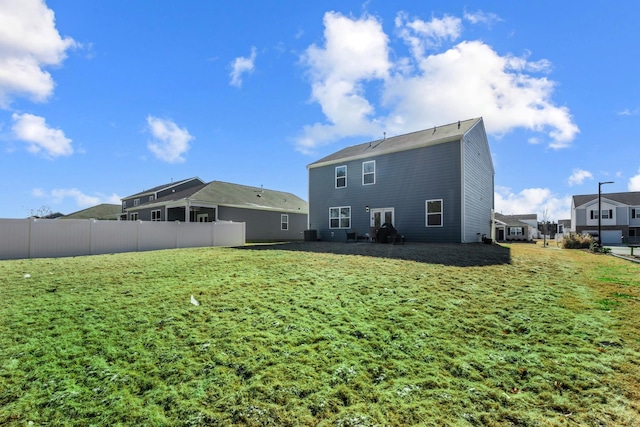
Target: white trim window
[(434, 210), (607, 213), (151, 198), (284, 222), (515, 231), (635, 213), (341, 176), (593, 214), (133, 216), (155, 215), (369, 172), (136, 202), (340, 217)]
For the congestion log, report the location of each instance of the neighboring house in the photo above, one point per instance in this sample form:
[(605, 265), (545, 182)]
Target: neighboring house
[(268, 215), (104, 211), (515, 227), (434, 185), (564, 226), (130, 203), (620, 216)]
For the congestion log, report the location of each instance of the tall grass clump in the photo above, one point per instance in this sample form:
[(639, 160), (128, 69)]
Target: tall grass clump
[(578, 241)]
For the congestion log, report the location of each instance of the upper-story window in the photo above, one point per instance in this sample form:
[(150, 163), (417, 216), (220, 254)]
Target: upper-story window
[(434, 213), (284, 222), (136, 202), (341, 176), (369, 172), (151, 197), (124, 205), (635, 213), (606, 214)]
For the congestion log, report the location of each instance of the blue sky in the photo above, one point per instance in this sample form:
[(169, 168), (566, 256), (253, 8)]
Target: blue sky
[(103, 99)]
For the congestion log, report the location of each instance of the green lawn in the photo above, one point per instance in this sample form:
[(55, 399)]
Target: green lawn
[(288, 337)]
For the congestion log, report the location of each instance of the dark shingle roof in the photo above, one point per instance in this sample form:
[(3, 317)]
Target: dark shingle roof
[(101, 211), (236, 195), (631, 198), (515, 220), (436, 135)]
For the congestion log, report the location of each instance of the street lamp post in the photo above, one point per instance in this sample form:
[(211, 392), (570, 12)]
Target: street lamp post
[(600, 211)]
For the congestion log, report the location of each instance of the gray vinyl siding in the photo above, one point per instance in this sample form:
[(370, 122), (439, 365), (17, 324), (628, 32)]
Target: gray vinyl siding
[(405, 180), (623, 215), (478, 185), (261, 225), (178, 188)]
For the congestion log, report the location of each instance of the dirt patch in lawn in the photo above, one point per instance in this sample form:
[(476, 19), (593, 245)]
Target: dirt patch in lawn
[(452, 254)]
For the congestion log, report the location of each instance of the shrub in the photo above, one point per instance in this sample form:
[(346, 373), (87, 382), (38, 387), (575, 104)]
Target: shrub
[(577, 241)]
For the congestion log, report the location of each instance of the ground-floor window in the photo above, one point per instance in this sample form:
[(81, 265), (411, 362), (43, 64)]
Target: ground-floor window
[(514, 231), (133, 216), (284, 222), (434, 213), (340, 217), (155, 215)]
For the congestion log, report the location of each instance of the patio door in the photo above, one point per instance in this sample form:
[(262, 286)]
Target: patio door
[(380, 216)]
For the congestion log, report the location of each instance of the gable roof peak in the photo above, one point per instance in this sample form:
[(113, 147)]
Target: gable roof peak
[(408, 141)]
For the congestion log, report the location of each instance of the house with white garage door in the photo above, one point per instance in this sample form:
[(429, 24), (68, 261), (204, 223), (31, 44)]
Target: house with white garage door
[(619, 215)]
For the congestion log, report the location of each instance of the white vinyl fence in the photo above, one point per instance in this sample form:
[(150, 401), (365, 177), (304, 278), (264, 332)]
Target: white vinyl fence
[(48, 238)]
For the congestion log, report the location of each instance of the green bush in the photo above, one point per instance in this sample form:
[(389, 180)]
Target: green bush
[(577, 241)]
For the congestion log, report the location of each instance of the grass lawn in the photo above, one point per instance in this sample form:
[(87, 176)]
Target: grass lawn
[(284, 336)]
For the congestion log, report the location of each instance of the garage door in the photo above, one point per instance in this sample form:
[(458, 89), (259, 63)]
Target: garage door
[(611, 237)]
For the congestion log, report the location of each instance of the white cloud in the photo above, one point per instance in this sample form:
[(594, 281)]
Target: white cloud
[(355, 51), (29, 41), (170, 142), (34, 131), (480, 17), (578, 176), (240, 66), (532, 200), (422, 36), (634, 182), (467, 80), (629, 112), (82, 200)]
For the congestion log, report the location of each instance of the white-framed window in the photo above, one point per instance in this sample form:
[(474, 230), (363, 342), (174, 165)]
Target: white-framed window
[(284, 222), (340, 217), (593, 214), (514, 231), (369, 172), (635, 213), (136, 202), (124, 205), (341, 176), (155, 215), (133, 216), (434, 213), (607, 214), (151, 197)]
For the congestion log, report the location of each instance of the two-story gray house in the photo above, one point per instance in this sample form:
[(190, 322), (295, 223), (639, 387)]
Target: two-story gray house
[(435, 185), (620, 216), (268, 214)]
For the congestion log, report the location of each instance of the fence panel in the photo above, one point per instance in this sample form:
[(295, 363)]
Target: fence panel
[(39, 238), (14, 238), (53, 238), (194, 235), (228, 233), (108, 237)]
